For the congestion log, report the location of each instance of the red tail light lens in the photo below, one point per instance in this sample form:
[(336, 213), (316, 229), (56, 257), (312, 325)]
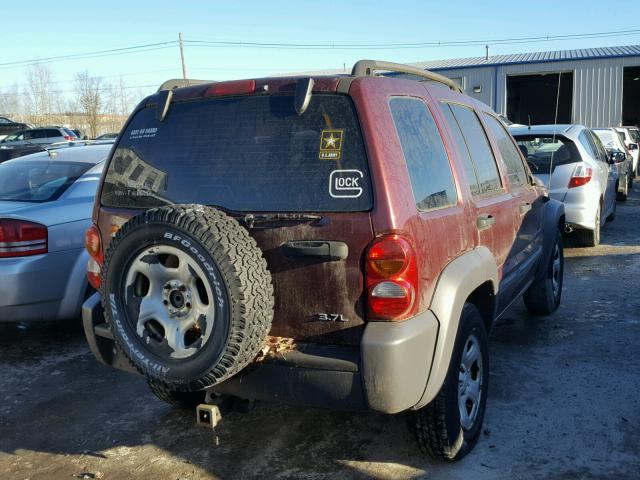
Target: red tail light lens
[(237, 87), (68, 137), (20, 238), (391, 279), (93, 244), (581, 176)]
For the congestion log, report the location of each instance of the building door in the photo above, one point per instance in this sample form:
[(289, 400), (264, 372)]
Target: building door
[(531, 99), (631, 96)]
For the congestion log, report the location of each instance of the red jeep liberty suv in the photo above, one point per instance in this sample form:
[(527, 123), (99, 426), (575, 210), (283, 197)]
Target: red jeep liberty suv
[(340, 242)]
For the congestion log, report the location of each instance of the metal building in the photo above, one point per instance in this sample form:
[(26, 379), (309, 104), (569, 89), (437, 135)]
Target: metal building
[(597, 87)]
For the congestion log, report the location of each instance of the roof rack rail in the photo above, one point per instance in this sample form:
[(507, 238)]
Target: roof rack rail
[(182, 82), (367, 68)]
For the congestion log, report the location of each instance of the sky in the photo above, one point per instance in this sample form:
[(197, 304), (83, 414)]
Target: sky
[(46, 29)]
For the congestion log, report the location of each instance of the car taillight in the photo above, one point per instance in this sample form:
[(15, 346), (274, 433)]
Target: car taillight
[(68, 137), (237, 87), (93, 244), (581, 176), (391, 279), (20, 238)]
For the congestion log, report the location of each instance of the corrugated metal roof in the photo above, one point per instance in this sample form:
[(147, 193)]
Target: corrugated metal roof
[(534, 57)]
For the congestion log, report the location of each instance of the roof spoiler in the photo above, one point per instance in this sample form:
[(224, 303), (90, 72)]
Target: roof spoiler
[(367, 68), (182, 82)]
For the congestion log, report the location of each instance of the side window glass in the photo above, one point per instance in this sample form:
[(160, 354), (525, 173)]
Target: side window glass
[(586, 142), (479, 149), (602, 153), (427, 162), (467, 163), (29, 134), (510, 154)]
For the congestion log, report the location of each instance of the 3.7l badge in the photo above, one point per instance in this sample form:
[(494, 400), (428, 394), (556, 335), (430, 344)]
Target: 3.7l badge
[(328, 317)]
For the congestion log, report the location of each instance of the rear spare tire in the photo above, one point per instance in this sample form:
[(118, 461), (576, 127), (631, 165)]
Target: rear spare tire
[(187, 295)]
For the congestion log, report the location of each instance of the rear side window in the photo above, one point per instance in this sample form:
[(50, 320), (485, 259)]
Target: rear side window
[(427, 162), (588, 145), (515, 169), (52, 133), (467, 163), (479, 149), (251, 153), (546, 152)]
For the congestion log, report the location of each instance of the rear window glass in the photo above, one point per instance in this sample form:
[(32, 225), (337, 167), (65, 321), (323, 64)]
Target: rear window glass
[(38, 181), (243, 154), (635, 135), (541, 150)]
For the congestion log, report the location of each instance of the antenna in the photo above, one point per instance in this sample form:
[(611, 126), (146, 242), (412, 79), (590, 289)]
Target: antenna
[(555, 127)]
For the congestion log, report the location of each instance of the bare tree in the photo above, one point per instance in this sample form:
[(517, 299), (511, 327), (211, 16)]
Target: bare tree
[(10, 101), (91, 93), (40, 94)]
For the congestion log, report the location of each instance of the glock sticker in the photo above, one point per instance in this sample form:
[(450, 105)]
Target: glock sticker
[(345, 183), (331, 144)]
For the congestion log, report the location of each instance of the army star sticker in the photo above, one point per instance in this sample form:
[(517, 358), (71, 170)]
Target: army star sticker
[(330, 142)]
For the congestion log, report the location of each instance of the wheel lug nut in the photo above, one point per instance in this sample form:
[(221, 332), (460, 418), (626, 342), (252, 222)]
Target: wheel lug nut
[(165, 302)]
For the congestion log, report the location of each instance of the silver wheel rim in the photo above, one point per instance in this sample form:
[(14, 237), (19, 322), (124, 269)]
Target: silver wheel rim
[(173, 301), (470, 382), (556, 270)]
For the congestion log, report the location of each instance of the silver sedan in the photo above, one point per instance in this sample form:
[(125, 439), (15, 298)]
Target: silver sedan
[(46, 201)]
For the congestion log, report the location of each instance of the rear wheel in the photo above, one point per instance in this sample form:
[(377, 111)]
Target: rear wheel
[(543, 296), (449, 427)]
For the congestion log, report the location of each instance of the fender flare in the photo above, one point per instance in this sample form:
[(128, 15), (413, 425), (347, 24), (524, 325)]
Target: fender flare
[(456, 283), (553, 212)]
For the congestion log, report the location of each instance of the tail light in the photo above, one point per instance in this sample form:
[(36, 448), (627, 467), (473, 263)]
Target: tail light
[(93, 244), (68, 137), (20, 238), (581, 176), (391, 279)]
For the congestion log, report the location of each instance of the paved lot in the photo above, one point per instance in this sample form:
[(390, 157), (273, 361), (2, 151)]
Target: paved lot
[(563, 402)]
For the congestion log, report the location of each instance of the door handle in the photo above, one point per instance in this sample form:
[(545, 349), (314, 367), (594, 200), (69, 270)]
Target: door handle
[(485, 221), (524, 208), (322, 249)]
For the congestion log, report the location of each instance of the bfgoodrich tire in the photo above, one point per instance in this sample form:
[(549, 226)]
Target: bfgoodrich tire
[(187, 295), (448, 428), (543, 296)]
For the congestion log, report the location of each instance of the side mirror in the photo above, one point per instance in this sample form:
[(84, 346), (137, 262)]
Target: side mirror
[(617, 156), (633, 146)]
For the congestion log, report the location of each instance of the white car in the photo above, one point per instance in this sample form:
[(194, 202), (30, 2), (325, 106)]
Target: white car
[(572, 162), (631, 138)]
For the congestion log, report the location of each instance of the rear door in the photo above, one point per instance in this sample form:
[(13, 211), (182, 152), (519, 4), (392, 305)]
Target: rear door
[(299, 183), (492, 203)]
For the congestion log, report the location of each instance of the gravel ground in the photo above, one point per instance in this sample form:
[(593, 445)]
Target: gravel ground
[(562, 402)]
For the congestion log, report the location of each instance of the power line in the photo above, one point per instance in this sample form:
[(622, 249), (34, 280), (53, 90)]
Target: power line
[(99, 53), (386, 46)]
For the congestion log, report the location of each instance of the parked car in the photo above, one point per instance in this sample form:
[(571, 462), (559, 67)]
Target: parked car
[(38, 136), (572, 162), (45, 207), (19, 151), (8, 126), (377, 226), (107, 136), (631, 138), (623, 164)]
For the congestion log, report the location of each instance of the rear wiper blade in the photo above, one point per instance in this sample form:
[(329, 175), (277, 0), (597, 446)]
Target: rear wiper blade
[(252, 220)]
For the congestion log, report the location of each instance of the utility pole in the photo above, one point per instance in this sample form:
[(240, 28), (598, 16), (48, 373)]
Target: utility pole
[(184, 67), (486, 52)]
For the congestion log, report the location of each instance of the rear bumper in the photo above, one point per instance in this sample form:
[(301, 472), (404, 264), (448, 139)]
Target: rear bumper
[(388, 372), (34, 288)]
